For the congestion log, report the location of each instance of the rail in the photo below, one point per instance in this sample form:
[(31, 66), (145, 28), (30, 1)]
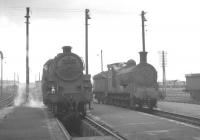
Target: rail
[(7, 102), (64, 131), (105, 129), (177, 117), (173, 116)]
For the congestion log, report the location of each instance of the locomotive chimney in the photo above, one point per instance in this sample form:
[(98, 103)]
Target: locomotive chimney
[(143, 57), (67, 49)]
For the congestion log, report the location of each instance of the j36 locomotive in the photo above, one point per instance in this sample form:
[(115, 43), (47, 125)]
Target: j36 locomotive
[(65, 88), (128, 84)]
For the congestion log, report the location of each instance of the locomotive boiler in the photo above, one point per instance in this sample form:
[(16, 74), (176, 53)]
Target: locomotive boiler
[(65, 88), (128, 84)]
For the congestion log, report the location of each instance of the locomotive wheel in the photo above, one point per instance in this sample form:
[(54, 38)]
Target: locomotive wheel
[(51, 107), (150, 105), (132, 104), (82, 108), (153, 103), (140, 103), (54, 109)]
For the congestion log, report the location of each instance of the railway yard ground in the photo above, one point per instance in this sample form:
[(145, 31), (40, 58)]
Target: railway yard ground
[(28, 123), (36, 123), (191, 110), (141, 126)]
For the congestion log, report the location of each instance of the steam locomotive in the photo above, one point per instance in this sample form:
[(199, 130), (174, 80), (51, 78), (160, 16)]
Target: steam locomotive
[(128, 84), (64, 86)]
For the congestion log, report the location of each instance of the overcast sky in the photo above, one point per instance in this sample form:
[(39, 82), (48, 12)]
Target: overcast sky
[(115, 27)]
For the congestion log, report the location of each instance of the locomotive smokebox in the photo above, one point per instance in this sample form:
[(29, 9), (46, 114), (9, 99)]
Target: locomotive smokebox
[(143, 57), (67, 49)]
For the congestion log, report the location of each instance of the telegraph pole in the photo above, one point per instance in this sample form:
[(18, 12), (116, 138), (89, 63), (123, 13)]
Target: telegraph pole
[(14, 83), (101, 61), (14, 79), (87, 16), (18, 79), (1, 72), (164, 74), (143, 31), (143, 53), (163, 65), (27, 52)]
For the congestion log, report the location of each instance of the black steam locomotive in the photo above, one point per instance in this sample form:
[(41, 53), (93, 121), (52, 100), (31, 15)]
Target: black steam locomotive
[(128, 84), (65, 88)]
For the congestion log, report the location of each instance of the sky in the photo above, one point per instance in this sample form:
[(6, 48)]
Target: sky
[(115, 27)]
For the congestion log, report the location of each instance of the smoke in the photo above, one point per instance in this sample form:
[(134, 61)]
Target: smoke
[(33, 99), (20, 98), (35, 103), (35, 96)]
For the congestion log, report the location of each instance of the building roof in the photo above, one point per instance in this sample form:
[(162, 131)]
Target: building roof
[(193, 75)]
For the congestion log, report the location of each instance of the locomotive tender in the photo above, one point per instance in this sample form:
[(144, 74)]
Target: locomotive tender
[(128, 84), (65, 88)]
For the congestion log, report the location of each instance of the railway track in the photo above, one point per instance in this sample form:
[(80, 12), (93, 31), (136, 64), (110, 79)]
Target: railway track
[(64, 131), (172, 116), (177, 117), (107, 131), (7, 102)]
